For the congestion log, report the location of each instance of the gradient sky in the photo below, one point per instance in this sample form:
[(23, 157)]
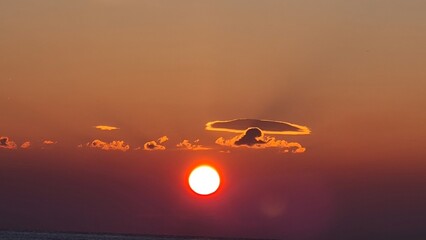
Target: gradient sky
[(353, 72)]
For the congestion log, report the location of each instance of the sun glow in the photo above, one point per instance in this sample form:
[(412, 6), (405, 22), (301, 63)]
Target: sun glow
[(204, 180)]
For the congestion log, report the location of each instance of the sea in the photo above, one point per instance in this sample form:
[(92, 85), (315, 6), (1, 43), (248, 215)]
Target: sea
[(10, 235)]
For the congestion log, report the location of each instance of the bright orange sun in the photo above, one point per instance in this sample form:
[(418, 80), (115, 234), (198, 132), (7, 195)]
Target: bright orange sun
[(204, 180)]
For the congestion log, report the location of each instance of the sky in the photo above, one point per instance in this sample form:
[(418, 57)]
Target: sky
[(313, 113)]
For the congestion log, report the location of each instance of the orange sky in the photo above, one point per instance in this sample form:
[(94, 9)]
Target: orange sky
[(155, 68), (353, 72)]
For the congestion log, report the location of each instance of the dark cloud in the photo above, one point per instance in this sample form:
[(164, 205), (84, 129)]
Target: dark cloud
[(255, 138), (267, 126), (5, 142), (251, 137)]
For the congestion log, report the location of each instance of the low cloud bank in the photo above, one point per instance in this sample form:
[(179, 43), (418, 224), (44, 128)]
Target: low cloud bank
[(255, 138)]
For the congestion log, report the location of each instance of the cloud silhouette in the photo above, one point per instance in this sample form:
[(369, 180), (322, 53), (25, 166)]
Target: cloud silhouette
[(187, 145), (114, 145), (251, 137), (255, 138), (267, 126), (5, 142), (156, 145), (106, 128), (26, 145)]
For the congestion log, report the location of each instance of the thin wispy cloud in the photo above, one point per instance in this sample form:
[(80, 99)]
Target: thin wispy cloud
[(187, 145), (106, 127)]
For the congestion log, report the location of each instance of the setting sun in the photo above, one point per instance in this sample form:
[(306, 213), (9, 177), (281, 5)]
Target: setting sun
[(204, 180)]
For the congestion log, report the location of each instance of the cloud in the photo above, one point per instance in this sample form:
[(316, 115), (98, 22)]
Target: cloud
[(49, 142), (156, 145), (255, 138), (153, 145), (163, 139), (114, 145), (293, 147), (267, 126), (106, 128), (5, 142), (186, 144), (251, 137), (26, 145)]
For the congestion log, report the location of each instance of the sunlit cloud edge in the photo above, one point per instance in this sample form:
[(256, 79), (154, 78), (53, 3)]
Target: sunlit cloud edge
[(303, 130)]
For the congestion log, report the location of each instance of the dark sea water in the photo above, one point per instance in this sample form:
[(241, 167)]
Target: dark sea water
[(8, 235)]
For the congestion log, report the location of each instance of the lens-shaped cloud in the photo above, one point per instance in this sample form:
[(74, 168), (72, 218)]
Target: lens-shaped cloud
[(187, 145), (106, 127), (5, 142), (114, 145), (255, 138), (267, 126)]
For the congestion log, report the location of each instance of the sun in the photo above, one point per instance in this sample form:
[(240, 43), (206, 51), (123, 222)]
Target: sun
[(204, 180)]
